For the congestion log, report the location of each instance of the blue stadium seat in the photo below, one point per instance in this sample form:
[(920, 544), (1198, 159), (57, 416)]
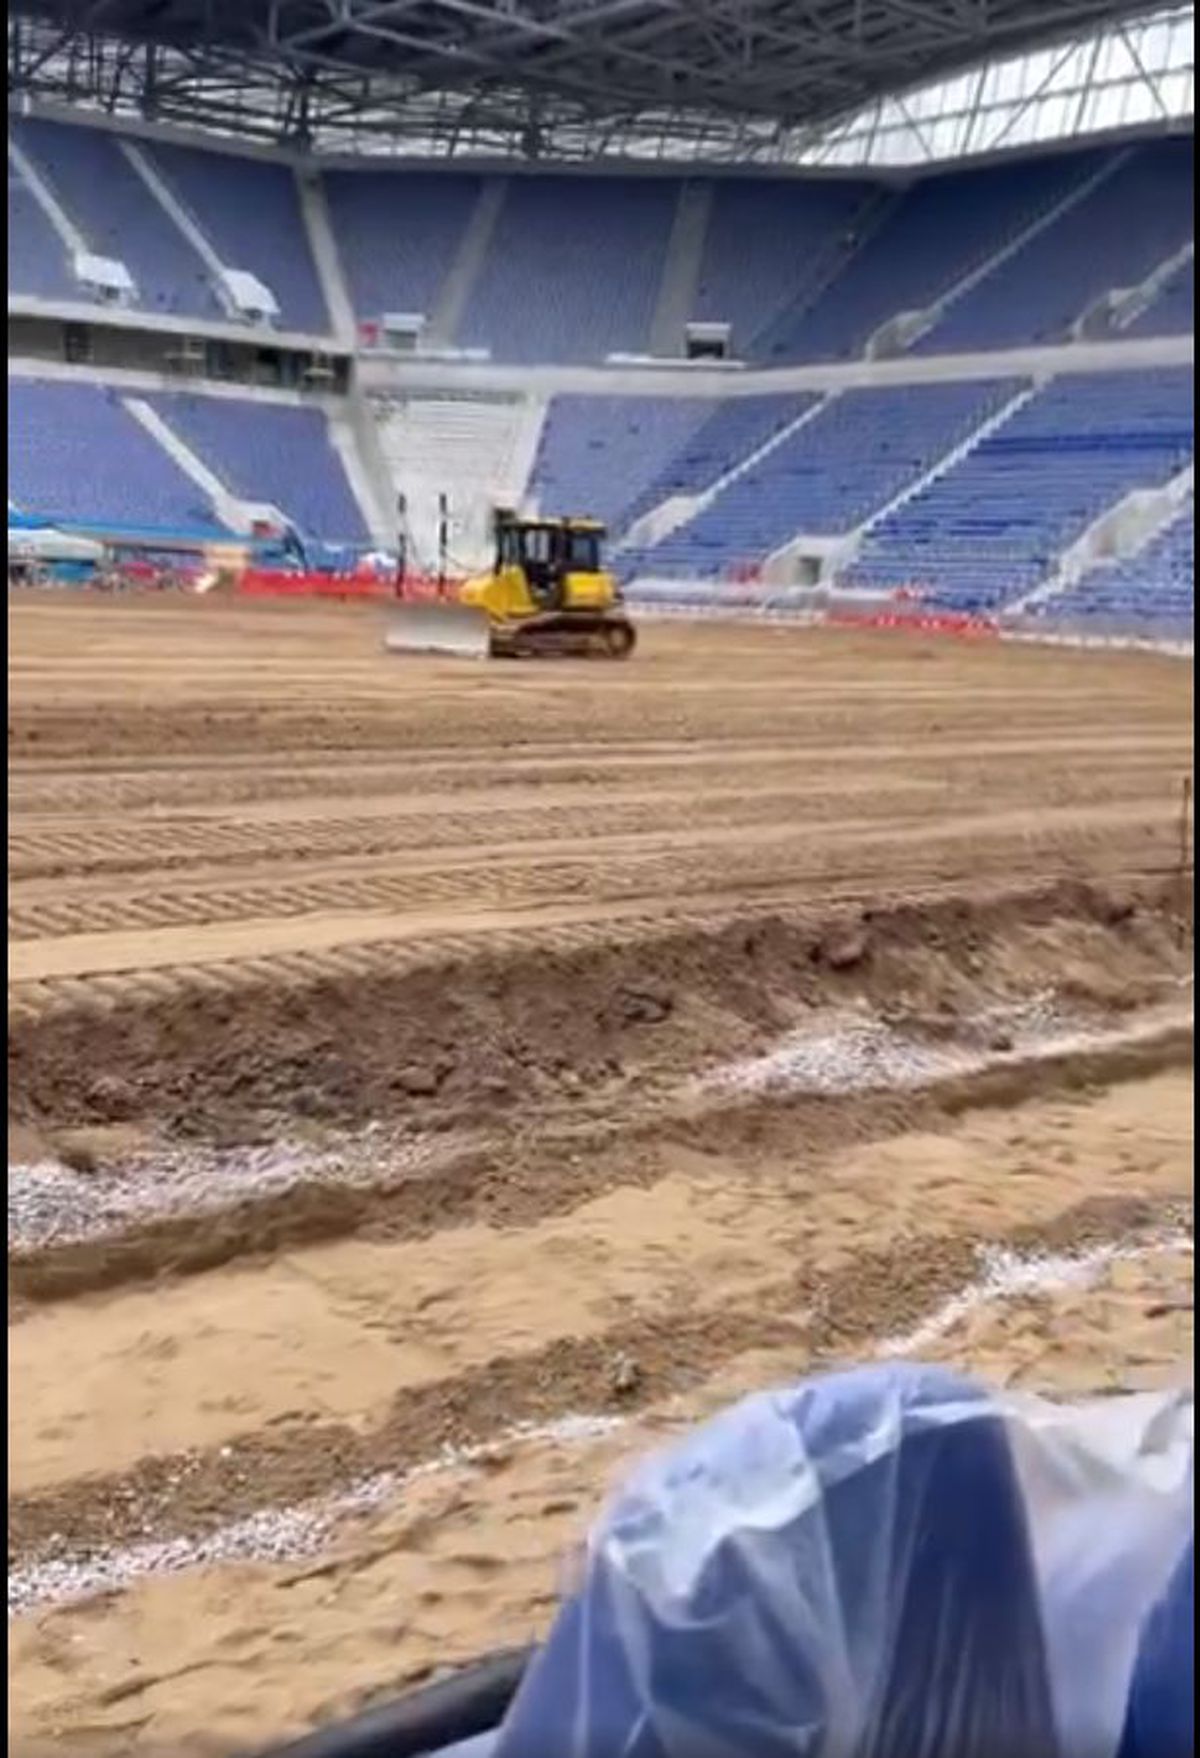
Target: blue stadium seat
[(273, 453), (731, 433), (994, 527), (803, 270), (573, 270), (76, 453), (828, 476), (250, 209), (937, 232), (397, 234), (1114, 237), (37, 257), (1154, 587), (597, 453), (1173, 311), (119, 217), (768, 244)]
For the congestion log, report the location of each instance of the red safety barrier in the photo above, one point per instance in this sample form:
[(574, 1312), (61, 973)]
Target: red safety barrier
[(282, 583), (269, 583), (954, 623)]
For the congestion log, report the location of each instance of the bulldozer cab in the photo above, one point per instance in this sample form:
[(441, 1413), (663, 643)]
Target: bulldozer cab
[(548, 592), (546, 551)]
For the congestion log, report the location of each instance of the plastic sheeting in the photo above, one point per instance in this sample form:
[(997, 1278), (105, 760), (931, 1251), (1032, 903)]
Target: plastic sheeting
[(881, 1562)]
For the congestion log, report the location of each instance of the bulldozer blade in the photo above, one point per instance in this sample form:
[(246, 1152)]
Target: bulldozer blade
[(454, 629)]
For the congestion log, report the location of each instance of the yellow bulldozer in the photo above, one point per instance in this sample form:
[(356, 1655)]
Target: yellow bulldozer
[(548, 594)]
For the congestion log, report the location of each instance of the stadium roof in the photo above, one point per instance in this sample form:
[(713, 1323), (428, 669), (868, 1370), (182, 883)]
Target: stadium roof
[(750, 80)]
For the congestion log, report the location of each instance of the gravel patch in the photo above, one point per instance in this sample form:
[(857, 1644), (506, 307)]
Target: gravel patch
[(860, 1052), (52, 1204), (274, 1535), (290, 1534), (1009, 1275)]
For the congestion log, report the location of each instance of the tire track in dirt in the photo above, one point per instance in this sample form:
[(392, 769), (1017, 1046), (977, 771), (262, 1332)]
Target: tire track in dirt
[(792, 784), (600, 868), (718, 689), (173, 844), (252, 732), (1046, 840), (39, 791)]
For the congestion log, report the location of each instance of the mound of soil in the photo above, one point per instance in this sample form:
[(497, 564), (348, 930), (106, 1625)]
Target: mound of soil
[(443, 1042)]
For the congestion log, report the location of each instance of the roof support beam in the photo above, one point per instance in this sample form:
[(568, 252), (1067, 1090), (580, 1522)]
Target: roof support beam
[(749, 80)]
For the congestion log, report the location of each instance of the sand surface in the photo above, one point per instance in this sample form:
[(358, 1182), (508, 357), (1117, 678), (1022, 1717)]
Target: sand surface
[(383, 1051)]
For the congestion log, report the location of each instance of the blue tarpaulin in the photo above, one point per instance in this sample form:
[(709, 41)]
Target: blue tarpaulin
[(887, 1561)]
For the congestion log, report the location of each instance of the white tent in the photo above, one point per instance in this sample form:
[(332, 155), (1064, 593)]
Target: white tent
[(42, 543)]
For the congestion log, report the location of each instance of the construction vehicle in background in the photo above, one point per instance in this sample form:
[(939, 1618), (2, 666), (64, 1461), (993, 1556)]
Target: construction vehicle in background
[(548, 594)]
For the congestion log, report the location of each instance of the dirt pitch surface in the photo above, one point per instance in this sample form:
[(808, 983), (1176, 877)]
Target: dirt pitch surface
[(432, 1084)]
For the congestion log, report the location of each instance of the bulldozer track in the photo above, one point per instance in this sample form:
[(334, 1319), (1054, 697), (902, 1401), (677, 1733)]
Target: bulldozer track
[(505, 879), (778, 890), (94, 849), (257, 724), (225, 786), (175, 844)]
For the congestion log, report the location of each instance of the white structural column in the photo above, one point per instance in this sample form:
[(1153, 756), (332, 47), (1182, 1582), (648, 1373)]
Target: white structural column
[(38, 185), (681, 269), (322, 241), (441, 330)]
